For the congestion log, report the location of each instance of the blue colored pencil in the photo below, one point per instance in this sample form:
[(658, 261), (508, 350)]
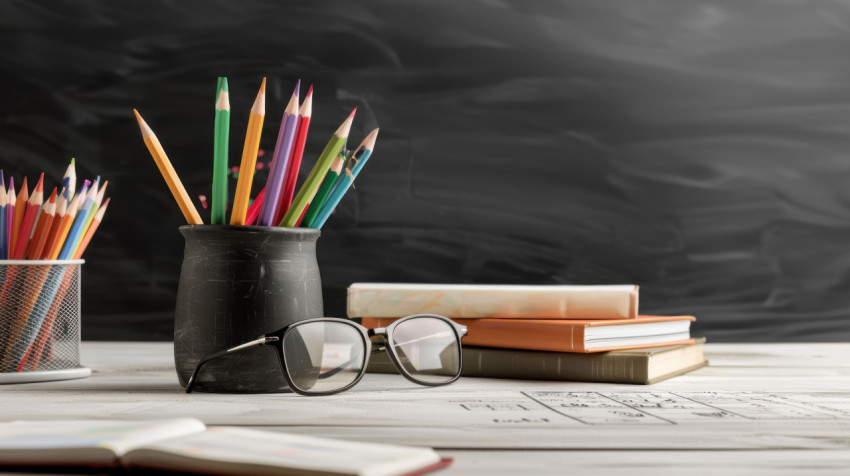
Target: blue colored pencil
[(352, 168), (78, 228), (69, 182)]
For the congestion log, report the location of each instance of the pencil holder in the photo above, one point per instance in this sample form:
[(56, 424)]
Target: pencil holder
[(236, 284), (40, 321)]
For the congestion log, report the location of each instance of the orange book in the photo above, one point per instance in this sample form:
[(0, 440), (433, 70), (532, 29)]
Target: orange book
[(570, 335)]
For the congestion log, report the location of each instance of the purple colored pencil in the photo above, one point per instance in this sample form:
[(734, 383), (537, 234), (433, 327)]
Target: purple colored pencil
[(282, 151), (10, 216), (3, 199)]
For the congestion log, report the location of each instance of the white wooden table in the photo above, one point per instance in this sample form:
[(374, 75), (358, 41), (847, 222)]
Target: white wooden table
[(757, 409)]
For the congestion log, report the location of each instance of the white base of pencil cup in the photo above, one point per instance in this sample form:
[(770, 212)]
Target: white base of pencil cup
[(40, 321)]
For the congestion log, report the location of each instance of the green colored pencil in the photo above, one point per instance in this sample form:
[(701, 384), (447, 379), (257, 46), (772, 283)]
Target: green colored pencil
[(314, 180), (220, 150), (328, 185)]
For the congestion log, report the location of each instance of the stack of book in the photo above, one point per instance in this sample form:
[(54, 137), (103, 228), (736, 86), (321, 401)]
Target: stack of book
[(558, 332)]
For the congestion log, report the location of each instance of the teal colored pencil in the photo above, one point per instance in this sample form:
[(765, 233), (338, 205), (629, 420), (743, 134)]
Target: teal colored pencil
[(317, 174), (352, 169), (221, 143), (331, 179)]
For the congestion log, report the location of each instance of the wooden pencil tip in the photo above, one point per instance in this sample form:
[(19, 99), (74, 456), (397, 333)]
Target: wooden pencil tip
[(263, 86), (52, 195), (73, 160), (353, 113), (40, 185), (310, 91), (138, 116), (297, 92)]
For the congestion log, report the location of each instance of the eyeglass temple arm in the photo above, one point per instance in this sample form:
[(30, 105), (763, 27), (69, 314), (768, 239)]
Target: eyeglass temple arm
[(247, 345)]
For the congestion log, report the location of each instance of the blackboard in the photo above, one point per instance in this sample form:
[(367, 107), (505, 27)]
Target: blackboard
[(699, 149)]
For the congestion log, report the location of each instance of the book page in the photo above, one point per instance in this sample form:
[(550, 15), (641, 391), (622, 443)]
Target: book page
[(52, 437), (252, 451)]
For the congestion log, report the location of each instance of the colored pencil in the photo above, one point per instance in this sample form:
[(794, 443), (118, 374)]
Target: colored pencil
[(64, 227), (3, 199), (45, 221), (328, 184), (92, 211), (254, 208), (69, 181), (280, 162), (61, 209), (355, 164), (20, 210), (83, 192), (78, 228), (98, 217), (168, 173), (311, 185), (10, 217), (33, 206), (291, 178), (221, 146), (249, 158)]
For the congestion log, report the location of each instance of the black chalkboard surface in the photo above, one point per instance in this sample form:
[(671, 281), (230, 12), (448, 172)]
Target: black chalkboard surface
[(699, 149)]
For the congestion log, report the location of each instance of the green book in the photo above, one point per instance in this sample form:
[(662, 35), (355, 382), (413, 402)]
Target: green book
[(636, 366)]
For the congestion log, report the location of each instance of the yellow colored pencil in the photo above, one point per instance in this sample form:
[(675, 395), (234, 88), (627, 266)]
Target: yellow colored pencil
[(249, 158), (168, 173)]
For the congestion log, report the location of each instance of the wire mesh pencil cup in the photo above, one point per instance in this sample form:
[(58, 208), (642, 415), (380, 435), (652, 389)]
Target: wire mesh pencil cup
[(39, 319)]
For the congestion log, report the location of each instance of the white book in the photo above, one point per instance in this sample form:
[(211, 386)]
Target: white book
[(187, 445), (616, 301)]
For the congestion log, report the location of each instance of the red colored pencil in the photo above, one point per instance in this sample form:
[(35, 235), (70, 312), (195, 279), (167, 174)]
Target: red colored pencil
[(32, 208), (61, 209), (294, 166), (45, 220), (20, 210), (254, 208)]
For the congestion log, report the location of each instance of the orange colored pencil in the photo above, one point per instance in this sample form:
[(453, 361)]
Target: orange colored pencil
[(20, 210), (168, 173), (45, 221), (98, 217), (32, 208), (249, 158), (64, 227), (61, 208)]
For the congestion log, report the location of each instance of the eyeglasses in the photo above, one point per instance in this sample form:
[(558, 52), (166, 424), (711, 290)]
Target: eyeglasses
[(328, 355)]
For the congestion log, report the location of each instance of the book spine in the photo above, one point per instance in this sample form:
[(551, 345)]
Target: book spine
[(620, 302), (529, 365)]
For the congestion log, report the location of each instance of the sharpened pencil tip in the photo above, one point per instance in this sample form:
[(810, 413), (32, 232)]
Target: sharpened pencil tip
[(310, 91), (224, 84), (353, 112), (263, 86), (138, 116), (40, 185), (297, 92)]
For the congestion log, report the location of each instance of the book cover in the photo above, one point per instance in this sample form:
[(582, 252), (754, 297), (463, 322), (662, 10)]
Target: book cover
[(493, 301), (638, 366), (570, 335)]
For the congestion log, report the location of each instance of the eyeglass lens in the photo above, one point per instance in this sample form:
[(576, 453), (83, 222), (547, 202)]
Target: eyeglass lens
[(323, 356), (427, 348)]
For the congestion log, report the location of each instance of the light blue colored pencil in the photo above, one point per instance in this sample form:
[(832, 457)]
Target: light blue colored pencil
[(352, 169), (79, 226)]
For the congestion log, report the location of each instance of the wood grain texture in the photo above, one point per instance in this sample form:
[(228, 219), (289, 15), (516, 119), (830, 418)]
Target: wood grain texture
[(138, 381), (696, 148)]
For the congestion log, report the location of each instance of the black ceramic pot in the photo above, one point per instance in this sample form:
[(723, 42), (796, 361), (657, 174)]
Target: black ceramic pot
[(236, 284)]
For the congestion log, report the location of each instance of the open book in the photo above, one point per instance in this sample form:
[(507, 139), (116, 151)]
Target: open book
[(187, 445)]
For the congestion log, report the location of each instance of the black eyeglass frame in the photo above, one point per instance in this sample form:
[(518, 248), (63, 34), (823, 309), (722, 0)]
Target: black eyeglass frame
[(276, 339)]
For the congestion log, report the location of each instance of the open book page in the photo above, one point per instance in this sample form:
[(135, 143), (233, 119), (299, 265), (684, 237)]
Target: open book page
[(237, 450), (84, 442)]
